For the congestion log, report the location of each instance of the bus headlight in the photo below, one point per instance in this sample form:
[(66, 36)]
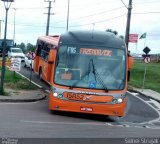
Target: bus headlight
[(55, 94), (120, 100), (117, 100)]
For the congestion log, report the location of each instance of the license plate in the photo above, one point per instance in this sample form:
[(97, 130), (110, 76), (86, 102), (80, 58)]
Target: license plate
[(74, 96), (86, 109)]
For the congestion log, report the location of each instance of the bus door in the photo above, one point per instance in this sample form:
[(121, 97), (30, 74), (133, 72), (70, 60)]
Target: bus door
[(43, 65), (51, 60), (37, 58), (47, 61)]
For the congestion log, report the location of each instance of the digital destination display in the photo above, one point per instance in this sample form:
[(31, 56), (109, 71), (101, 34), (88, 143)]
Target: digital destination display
[(90, 51)]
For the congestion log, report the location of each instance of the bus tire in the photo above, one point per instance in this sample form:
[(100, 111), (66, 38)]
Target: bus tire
[(40, 74), (53, 112)]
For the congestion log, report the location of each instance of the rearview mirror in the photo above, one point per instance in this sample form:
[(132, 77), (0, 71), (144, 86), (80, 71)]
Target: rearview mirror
[(130, 62)]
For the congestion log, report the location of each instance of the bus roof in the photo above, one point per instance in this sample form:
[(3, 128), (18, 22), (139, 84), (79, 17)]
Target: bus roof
[(50, 39), (84, 37), (92, 38)]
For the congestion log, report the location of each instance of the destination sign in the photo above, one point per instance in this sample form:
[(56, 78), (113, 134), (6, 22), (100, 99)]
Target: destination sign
[(97, 52), (89, 51)]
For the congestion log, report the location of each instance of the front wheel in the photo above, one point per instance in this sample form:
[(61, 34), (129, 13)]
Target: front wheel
[(40, 74), (25, 65)]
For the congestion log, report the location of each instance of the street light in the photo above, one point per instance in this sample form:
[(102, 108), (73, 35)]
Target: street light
[(7, 4)]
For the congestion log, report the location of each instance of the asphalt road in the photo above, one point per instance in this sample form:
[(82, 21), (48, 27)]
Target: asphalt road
[(34, 77), (34, 120)]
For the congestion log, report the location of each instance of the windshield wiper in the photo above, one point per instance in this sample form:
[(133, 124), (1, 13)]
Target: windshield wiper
[(101, 81), (93, 68), (96, 74)]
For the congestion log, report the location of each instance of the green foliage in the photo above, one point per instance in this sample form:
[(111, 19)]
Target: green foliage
[(152, 78), (15, 81), (30, 47), (22, 46), (26, 48), (112, 31)]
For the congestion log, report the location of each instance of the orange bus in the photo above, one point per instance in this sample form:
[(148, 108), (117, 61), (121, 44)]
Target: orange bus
[(87, 71)]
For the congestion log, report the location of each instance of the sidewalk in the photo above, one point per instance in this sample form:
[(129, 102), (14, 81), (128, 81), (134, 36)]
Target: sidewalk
[(148, 93), (24, 95), (40, 94)]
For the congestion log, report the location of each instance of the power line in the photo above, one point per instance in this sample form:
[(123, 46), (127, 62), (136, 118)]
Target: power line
[(95, 14), (81, 24), (31, 8), (147, 13), (101, 21), (29, 25), (146, 2), (124, 4), (98, 21)]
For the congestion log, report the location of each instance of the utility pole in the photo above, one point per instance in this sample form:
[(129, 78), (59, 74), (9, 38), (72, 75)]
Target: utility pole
[(48, 17), (7, 4), (68, 14), (14, 29), (128, 22)]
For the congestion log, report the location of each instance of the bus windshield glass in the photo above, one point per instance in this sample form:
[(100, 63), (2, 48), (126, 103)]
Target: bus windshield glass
[(90, 67)]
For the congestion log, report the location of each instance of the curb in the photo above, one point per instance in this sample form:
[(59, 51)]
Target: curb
[(30, 99), (136, 91), (23, 100), (27, 100)]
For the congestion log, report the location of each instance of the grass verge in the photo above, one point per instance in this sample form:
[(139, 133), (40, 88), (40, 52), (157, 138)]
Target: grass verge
[(14, 81), (152, 77)]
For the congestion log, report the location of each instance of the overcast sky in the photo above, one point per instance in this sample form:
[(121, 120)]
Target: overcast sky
[(30, 19)]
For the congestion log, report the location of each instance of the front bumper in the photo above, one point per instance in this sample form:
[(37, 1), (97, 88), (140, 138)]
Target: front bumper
[(87, 107)]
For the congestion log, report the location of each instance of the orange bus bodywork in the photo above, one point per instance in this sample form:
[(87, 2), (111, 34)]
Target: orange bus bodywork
[(90, 101), (87, 107)]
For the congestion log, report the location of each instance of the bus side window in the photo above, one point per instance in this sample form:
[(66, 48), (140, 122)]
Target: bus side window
[(44, 55), (39, 47)]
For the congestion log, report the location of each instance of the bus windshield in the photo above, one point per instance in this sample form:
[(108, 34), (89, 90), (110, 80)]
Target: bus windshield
[(90, 67)]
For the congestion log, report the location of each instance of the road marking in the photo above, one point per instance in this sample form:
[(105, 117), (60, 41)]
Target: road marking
[(65, 123), (133, 93), (157, 104), (47, 91), (14, 103), (124, 125)]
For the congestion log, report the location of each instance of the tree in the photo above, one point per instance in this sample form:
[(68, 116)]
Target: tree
[(22, 46), (30, 47), (112, 31), (121, 36)]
